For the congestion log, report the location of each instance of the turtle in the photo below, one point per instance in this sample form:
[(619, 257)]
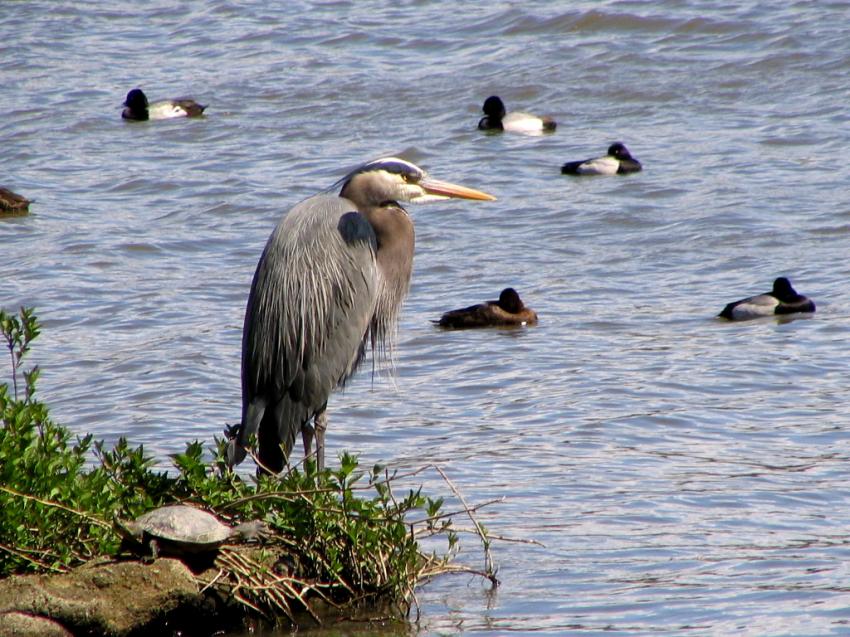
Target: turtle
[(181, 530)]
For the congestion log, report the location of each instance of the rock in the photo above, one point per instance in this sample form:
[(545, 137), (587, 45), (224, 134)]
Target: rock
[(23, 625), (115, 598)]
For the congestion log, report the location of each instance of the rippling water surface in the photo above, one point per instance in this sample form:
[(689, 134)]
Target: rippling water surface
[(684, 476)]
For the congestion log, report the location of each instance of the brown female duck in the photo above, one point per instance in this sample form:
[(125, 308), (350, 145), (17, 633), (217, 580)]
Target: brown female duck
[(508, 310)]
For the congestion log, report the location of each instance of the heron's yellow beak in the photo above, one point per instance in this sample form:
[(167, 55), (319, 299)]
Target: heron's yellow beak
[(438, 188)]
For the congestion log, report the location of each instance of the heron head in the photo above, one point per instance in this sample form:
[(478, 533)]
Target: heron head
[(394, 179)]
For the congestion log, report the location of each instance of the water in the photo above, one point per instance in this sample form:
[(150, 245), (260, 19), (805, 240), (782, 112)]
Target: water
[(685, 476)]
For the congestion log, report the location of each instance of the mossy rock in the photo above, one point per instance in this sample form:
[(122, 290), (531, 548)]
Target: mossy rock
[(111, 598)]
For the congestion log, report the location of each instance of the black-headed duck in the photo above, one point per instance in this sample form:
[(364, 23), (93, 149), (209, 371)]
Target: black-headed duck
[(782, 299), (496, 118), (508, 310), (618, 161), (137, 107)]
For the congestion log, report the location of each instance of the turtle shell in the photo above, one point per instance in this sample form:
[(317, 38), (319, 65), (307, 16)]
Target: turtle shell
[(183, 526)]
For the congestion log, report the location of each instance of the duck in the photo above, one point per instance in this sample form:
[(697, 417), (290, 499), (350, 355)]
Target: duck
[(137, 107), (618, 161), (496, 118), (782, 299), (13, 203), (508, 310)]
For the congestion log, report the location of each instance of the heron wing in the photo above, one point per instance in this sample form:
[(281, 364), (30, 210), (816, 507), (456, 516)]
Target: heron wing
[(308, 314)]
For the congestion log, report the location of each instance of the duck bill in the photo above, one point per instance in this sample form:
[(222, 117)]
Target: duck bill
[(442, 189)]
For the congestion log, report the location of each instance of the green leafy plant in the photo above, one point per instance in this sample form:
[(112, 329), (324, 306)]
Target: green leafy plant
[(57, 511), (18, 334), (340, 537)]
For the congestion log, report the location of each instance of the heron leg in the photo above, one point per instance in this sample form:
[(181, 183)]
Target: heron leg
[(321, 424), (307, 437)]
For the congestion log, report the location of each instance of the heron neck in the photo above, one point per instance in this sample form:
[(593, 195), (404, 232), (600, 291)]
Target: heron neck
[(395, 244), (396, 239)]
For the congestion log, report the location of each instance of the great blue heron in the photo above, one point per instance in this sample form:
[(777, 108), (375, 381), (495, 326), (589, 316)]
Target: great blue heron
[(496, 118), (138, 108), (508, 310), (618, 161), (782, 299), (332, 276)]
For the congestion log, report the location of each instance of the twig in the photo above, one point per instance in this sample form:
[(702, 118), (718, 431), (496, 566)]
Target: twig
[(291, 495), (277, 591), (455, 569), (400, 476), (490, 572), (56, 505), (31, 560), (490, 536), (441, 516), (11, 345), (212, 582)]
